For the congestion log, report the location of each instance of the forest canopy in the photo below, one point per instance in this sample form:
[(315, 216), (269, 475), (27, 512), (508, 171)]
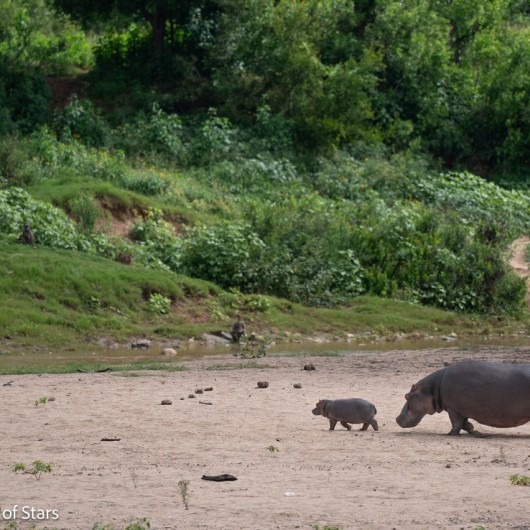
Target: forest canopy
[(449, 77)]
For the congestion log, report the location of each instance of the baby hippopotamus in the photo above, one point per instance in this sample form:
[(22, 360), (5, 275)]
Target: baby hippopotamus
[(354, 410)]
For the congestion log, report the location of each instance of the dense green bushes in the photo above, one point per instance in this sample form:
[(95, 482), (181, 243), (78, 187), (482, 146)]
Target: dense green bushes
[(319, 233)]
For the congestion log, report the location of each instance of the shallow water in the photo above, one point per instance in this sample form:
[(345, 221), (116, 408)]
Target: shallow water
[(91, 356)]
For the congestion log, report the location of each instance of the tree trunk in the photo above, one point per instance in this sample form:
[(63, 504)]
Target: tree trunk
[(158, 25)]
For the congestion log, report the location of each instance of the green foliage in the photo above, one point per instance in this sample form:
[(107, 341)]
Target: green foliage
[(24, 100), (50, 225), (142, 523), (85, 209), (248, 348), (520, 480), (155, 133), (81, 120), (35, 35), (159, 243), (226, 253), (184, 489), (36, 469), (159, 304), (276, 53)]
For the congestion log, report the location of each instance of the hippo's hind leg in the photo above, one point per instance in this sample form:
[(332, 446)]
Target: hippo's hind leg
[(344, 424), (468, 426), (457, 421), (332, 424), (372, 422)]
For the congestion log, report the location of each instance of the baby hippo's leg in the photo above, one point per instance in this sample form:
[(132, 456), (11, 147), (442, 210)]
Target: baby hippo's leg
[(332, 424), (344, 424)]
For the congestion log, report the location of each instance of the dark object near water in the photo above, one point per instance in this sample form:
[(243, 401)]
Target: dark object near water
[(166, 402), (27, 237), (263, 384), (238, 329), (297, 385), (219, 478), (347, 411), (494, 394), (94, 371), (310, 366), (110, 439)]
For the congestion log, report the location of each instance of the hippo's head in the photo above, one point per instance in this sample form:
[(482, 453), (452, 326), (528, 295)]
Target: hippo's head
[(419, 402), (319, 408)]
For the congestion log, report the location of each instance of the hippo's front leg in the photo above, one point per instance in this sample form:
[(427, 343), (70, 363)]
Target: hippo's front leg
[(332, 424)]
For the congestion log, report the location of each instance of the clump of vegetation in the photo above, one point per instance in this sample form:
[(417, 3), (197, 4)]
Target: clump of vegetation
[(520, 480), (159, 304), (36, 469), (140, 524), (41, 401), (184, 491), (249, 348), (273, 449)]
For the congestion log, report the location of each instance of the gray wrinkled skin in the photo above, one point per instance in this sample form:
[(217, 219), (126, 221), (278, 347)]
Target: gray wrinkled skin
[(494, 394), (345, 411)]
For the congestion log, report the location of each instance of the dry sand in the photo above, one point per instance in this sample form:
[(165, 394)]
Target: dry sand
[(394, 478)]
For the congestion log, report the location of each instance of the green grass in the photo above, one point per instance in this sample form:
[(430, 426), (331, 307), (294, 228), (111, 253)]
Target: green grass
[(238, 366)]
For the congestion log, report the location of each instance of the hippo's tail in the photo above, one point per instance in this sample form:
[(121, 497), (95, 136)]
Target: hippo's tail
[(375, 411)]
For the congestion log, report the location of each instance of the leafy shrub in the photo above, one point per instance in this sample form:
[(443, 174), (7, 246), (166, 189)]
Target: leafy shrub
[(85, 210), (227, 254), (24, 100), (80, 119), (159, 244), (213, 141), (159, 304), (326, 280), (154, 133), (51, 226)]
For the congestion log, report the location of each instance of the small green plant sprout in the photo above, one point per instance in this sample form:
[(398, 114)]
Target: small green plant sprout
[(41, 401), (184, 490), (139, 524), (37, 468), (159, 304), (326, 527), (273, 449), (520, 480)]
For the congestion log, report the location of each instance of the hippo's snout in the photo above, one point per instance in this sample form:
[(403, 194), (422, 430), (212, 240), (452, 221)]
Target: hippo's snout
[(317, 411), (407, 419)]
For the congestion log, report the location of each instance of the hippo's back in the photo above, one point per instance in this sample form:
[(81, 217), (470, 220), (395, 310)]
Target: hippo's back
[(494, 394)]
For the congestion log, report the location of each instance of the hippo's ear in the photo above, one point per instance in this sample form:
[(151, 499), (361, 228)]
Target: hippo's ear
[(413, 388)]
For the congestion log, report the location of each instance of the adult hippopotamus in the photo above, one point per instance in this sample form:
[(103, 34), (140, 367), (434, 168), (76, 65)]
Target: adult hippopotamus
[(493, 394), (353, 410)]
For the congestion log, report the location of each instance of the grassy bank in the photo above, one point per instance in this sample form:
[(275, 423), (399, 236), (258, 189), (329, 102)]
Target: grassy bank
[(64, 300)]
